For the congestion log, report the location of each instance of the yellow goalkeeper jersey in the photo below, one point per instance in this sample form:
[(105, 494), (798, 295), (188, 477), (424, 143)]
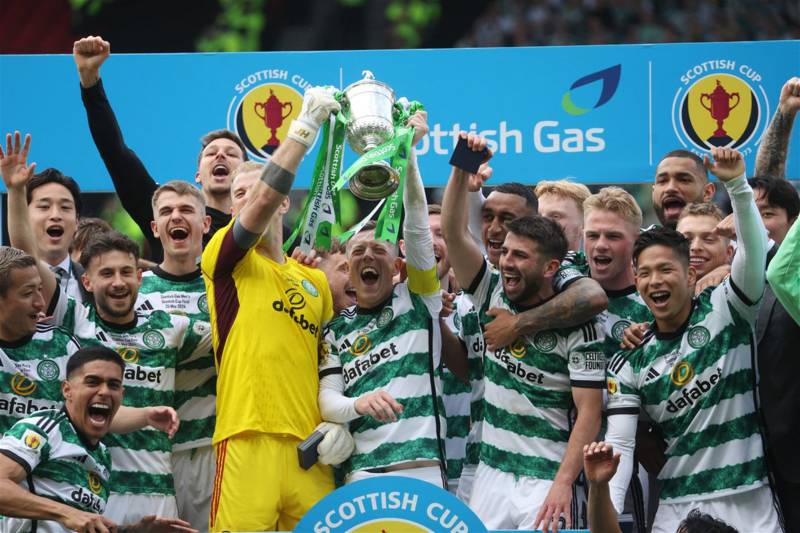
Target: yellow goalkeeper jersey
[(267, 320)]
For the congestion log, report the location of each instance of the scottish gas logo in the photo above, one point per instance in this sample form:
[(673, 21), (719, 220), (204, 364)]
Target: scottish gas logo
[(550, 134), (390, 504), (549, 137), (720, 103), (609, 80)]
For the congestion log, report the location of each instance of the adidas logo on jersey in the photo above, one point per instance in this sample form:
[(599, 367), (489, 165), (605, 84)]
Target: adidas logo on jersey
[(86, 499), (690, 395), (365, 362), (146, 306)]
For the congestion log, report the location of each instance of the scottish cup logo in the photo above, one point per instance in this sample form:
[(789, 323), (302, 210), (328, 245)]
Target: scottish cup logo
[(722, 104), (266, 103)]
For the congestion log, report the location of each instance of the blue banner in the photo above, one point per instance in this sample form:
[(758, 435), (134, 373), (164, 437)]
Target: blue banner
[(391, 504), (598, 114)]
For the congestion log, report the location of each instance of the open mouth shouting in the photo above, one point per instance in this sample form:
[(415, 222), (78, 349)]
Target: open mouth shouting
[(350, 293), (99, 414), (179, 234), (660, 299), (370, 276), (511, 280), (673, 206), (495, 245), (220, 172), (601, 262), (55, 232)]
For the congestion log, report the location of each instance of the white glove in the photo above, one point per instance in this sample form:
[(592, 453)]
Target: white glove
[(337, 445), (404, 103), (318, 104)]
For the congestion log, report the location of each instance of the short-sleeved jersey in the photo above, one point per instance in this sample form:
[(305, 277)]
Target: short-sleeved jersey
[(573, 267), (697, 384), (150, 347), (195, 375), (267, 320), (528, 405), (625, 307), (395, 347), (31, 372), (60, 467)]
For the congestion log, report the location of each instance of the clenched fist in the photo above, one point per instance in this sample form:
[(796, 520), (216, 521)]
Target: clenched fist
[(89, 54)]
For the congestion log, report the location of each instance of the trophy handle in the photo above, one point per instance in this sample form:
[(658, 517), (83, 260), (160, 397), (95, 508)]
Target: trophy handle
[(737, 100), (283, 117), (708, 97), (263, 106)]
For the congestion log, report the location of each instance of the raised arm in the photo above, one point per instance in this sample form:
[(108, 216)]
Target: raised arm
[(774, 147), (465, 254), (581, 300), (161, 417), (133, 183), (600, 464), (747, 270), (278, 176), (784, 272), (16, 173)]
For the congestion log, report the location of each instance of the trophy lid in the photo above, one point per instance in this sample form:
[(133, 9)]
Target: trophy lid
[(369, 79)]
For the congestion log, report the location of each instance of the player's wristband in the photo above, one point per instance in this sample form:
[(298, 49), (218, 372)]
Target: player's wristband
[(303, 132), (278, 178)]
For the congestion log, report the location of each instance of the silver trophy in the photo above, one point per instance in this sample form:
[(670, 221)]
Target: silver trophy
[(369, 125)]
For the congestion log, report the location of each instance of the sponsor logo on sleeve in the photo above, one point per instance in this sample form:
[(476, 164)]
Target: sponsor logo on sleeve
[(31, 439)]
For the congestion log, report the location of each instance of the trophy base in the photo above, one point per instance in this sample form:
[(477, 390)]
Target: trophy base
[(720, 140), (375, 182)]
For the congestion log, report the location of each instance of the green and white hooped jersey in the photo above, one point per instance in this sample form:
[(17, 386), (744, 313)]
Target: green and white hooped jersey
[(469, 331), (574, 266), (31, 372), (625, 307), (395, 347), (457, 395), (150, 347), (698, 384), (195, 374), (528, 406), (60, 467)]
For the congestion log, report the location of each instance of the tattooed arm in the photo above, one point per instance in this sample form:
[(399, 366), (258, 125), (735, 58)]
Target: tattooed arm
[(581, 301), (771, 158)]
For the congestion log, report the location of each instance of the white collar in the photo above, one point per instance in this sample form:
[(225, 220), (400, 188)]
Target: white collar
[(66, 264)]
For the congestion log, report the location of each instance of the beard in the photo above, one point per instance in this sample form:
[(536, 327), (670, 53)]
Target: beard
[(105, 308), (531, 285)]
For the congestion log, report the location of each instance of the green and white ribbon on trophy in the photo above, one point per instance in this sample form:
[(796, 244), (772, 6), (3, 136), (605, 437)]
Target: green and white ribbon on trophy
[(374, 124)]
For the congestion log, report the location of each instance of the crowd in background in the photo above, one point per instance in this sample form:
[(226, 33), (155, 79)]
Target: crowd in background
[(570, 22)]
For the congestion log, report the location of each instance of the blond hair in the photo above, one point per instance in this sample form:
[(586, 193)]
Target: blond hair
[(244, 168), (181, 188), (702, 209), (12, 259), (577, 192), (616, 200)]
